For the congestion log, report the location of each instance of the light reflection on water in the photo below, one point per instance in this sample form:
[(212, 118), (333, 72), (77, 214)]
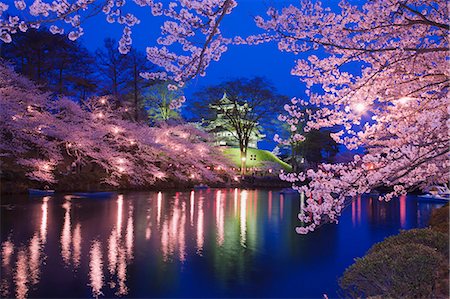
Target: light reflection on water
[(203, 243)]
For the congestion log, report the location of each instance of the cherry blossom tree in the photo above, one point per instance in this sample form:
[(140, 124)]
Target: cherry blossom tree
[(381, 75), (192, 25), (44, 137)]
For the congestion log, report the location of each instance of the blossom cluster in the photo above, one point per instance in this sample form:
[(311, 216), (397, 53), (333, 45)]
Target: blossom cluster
[(395, 106), (186, 22), (46, 137)]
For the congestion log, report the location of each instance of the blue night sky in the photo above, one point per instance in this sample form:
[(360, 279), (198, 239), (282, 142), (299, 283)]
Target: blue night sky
[(239, 61)]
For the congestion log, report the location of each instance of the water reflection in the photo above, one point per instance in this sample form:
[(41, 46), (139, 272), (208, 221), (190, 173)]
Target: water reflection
[(44, 209), (96, 268), (21, 275), (243, 216), (220, 209), (66, 234), (200, 236), (218, 237), (76, 245), (402, 201), (34, 262)]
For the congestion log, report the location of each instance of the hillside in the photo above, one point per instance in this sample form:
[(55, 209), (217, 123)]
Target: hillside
[(261, 156)]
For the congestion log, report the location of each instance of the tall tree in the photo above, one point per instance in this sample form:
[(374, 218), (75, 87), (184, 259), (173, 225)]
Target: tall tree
[(162, 102), (136, 85), (83, 76), (395, 106), (114, 69), (52, 60), (246, 105)]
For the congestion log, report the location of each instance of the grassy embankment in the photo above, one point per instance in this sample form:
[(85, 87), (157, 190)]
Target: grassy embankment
[(261, 156)]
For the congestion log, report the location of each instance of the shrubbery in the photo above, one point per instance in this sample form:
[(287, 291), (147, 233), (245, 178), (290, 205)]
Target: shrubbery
[(413, 264), (439, 219)]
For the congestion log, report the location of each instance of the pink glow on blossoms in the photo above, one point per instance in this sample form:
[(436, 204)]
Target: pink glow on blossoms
[(52, 135), (396, 108)]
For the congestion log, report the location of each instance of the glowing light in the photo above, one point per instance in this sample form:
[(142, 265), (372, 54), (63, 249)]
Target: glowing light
[(402, 210), (360, 107), (219, 218), (34, 259), (165, 241), (43, 230), (21, 275), (99, 115), (120, 161), (359, 208), (7, 251), (235, 200), (243, 159), (121, 169), (192, 199), (132, 142), (181, 234), (129, 237), (96, 269), (66, 237), (112, 252), (46, 167), (148, 229), (281, 206), (370, 166), (159, 206), (119, 214), (116, 130), (236, 178), (200, 230), (243, 217), (122, 273), (354, 213), (103, 101), (269, 208), (76, 240), (404, 100), (302, 201)]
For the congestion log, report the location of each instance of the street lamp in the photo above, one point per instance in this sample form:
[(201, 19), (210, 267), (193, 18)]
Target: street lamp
[(360, 107), (404, 100), (243, 165)]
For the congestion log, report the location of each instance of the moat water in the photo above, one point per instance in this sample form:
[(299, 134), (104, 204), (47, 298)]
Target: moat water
[(208, 243)]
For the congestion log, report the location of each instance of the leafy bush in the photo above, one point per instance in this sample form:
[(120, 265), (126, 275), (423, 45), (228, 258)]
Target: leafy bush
[(427, 237), (395, 271), (440, 219)]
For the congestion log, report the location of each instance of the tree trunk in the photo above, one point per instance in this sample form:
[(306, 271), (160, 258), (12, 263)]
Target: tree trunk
[(243, 160)]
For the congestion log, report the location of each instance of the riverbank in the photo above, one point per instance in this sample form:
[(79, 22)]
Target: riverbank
[(251, 182)]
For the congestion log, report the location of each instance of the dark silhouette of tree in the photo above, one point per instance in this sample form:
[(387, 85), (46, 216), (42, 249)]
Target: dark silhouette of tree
[(161, 104), (317, 147), (114, 69), (51, 60), (248, 104), (136, 86)]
